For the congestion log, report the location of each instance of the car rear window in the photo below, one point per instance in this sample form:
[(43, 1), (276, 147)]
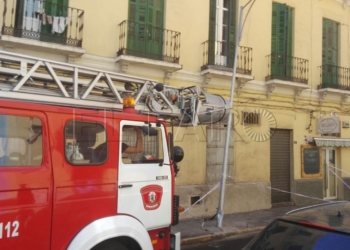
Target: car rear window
[(284, 235)]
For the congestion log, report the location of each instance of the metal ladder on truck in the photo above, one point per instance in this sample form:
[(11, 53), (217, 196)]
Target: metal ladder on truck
[(45, 81)]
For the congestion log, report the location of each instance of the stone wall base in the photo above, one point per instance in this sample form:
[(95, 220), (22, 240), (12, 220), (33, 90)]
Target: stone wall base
[(239, 197)]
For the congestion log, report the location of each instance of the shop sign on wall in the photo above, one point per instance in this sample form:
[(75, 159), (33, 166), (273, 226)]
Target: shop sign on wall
[(328, 125)]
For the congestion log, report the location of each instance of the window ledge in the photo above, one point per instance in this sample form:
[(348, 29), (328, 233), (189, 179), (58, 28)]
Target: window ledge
[(343, 94), (10, 40), (298, 87), (126, 60)]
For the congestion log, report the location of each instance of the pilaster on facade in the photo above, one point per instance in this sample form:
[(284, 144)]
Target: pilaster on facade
[(297, 87)]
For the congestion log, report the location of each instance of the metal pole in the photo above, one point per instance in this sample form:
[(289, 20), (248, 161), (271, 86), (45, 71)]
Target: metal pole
[(227, 142)]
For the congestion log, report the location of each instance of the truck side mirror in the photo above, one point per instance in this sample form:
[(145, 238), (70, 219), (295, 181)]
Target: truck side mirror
[(178, 154)]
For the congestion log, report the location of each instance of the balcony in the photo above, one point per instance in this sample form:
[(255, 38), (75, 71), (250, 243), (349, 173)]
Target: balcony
[(217, 63), (44, 23), (334, 80), (287, 71), (140, 43)]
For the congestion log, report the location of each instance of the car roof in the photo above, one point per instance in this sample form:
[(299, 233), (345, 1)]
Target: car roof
[(335, 215)]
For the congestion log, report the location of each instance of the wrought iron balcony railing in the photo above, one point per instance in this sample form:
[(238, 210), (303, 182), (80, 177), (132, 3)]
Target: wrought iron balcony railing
[(335, 77), (142, 40), (216, 56), (43, 21), (287, 68)]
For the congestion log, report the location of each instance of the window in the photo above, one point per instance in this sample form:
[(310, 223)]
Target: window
[(85, 143), (329, 42), (29, 21), (142, 145), (281, 40), (251, 118), (20, 141), (222, 31), (330, 52), (145, 33)]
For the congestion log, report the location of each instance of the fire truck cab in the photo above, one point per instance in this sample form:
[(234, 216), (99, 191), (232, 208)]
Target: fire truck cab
[(85, 158)]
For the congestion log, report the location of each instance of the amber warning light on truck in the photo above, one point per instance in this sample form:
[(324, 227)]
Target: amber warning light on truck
[(128, 102)]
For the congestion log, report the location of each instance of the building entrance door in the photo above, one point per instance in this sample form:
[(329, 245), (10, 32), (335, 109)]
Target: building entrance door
[(329, 178)]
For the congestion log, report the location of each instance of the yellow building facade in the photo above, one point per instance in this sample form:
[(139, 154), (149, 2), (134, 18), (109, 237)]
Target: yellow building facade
[(290, 135)]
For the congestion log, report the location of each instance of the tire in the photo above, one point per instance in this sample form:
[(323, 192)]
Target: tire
[(110, 245)]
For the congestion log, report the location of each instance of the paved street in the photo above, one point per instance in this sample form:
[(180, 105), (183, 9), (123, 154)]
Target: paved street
[(230, 243), (198, 235)]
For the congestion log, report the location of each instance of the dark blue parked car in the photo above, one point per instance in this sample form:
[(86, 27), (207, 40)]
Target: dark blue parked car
[(325, 226)]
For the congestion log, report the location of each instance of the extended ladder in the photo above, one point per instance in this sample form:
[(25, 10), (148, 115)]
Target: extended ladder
[(45, 81)]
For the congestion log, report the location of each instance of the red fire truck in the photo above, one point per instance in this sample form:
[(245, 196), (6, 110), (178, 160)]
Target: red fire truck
[(85, 158)]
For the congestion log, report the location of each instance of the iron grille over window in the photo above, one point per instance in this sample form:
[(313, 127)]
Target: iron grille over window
[(250, 118)]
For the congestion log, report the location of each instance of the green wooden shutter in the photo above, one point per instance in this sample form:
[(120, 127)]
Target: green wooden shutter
[(155, 32), (329, 53), (289, 20), (145, 31), (289, 43), (20, 12), (281, 40), (231, 41), (131, 29), (136, 40), (330, 42), (212, 29)]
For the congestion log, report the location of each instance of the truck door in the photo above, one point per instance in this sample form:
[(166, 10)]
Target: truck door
[(144, 179), (25, 180)]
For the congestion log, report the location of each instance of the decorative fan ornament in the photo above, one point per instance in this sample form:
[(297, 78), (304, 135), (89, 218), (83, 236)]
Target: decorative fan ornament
[(259, 125), (235, 116)]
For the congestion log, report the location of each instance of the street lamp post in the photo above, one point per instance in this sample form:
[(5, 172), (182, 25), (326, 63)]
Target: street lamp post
[(220, 212)]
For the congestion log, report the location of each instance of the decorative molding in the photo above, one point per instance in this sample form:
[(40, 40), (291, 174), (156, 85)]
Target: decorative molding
[(167, 76), (297, 93), (240, 85), (322, 95), (344, 99), (148, 63), (206, 81), (54, 47), (187, 76), (123, 67), (71, 58), (269, 90), (8, 48)]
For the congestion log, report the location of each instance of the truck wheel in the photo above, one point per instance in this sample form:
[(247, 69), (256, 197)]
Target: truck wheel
[(110, 245)]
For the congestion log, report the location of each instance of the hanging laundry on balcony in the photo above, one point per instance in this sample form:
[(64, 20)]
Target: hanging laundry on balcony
[(49, 19), (38, 15), (59, 24), (44, 18)]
